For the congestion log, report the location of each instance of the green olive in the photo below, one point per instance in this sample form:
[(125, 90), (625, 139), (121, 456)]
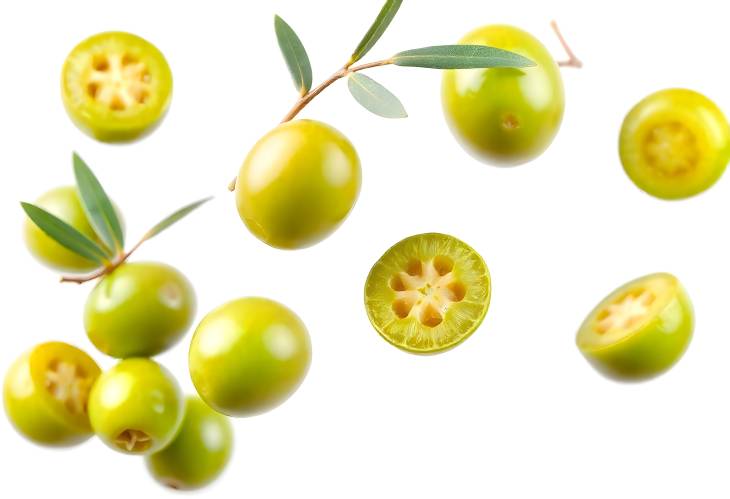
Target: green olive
[(248, 356), (675, 143), (116, 86), (505, 116), (139, 310), (640, 330), (46, 393), (200, 451), (136, 407), (298, 184), (63, 202)]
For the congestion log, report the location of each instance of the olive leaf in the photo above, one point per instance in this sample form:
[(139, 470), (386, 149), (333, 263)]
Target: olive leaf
[(374, 97), (387, 13), (98, 207), (295, 55), (64, 234), (175, 217), (460, 57)]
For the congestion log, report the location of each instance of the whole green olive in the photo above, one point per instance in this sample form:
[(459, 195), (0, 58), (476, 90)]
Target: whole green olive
[(298, 184), (46, 392), (199, 452), (136, 407), (63, 202), (248, 356), (139, 310), (505, 116)]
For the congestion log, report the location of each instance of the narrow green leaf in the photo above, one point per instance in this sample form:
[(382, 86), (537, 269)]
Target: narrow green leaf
[(387, 13), (175, 217), (64, 234), (295, 55), (374, 97), (98, 207), (461, 57)]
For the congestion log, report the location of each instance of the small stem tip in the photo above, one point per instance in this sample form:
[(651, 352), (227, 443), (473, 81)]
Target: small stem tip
[(572, 61)]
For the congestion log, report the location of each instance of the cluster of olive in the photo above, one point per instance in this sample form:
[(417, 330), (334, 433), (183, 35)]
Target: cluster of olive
[(503, 98), (245, 357)]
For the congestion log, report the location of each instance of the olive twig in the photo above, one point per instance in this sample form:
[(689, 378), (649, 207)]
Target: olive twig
[(107, 269), (309, 96), (346, 70), (573, 61)]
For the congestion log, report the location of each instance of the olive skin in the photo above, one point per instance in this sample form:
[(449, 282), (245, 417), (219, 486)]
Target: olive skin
[(63, 202), (139, 310), (248, 356), (654, 347), (675, 144), (50, 410), (200, 451), (136, 407), (298, 184), (505, 116)]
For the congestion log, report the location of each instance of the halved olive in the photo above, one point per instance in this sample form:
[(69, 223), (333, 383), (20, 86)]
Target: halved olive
[(46, 393), (116, 86), (428, 293), (675, 144), (639, 330)]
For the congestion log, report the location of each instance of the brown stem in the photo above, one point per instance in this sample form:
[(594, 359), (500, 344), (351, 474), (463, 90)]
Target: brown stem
[(106, 269), (341, 73), (573, 61)]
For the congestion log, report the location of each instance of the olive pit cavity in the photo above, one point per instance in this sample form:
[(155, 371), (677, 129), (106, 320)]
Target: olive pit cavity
[(133, 441), (119, 81), (69, 384), (426, 290), (671, 149), (624, 312)]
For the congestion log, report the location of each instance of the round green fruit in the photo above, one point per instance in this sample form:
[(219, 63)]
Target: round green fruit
[(248, 356), (199, 452), (298, 184), (46, 393), (640, 330), (139, 310), (136, 407), (428, 293), (64, 203), (675, 144), (505, 116), (116, 86)]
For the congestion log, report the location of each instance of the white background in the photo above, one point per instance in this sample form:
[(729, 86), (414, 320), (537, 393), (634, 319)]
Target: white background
[(514, 412)]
